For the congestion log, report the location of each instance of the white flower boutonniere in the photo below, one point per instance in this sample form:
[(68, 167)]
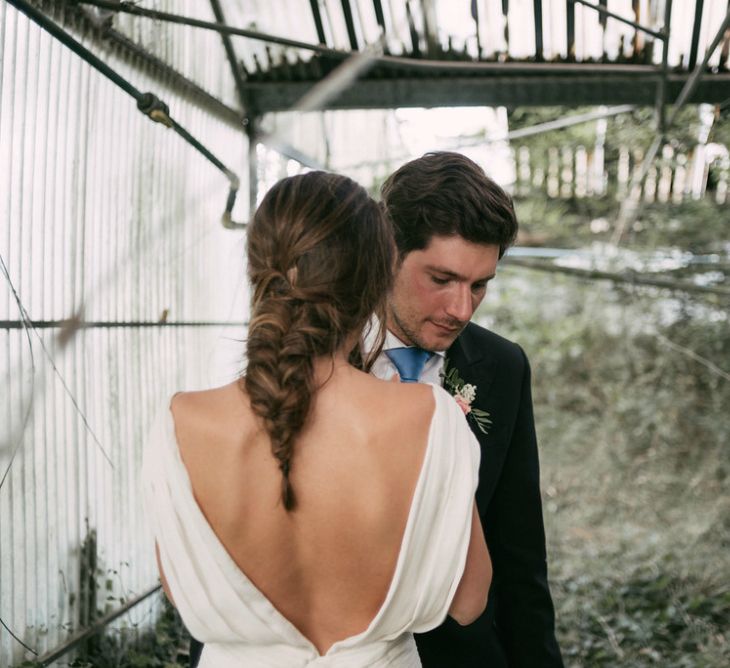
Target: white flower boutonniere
[(465, 393)]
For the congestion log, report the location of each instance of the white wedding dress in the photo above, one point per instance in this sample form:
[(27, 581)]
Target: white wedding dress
[(240, 627)]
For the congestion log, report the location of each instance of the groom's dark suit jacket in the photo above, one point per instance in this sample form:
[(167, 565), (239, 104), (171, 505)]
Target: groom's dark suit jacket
[(517, 628)]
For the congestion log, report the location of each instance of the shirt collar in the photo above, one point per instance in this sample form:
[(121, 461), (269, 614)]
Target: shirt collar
[(392, 341)]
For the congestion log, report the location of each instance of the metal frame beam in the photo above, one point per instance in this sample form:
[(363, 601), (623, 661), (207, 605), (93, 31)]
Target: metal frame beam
[(160, 69), (147, 103), (570, 29), (349, 24), (251, 120), (379, 15), (661, 93), (505, 14), (699, 70), (319, 26), (523, 88), (208, 25), (699, 4), (635, 6), (415, 37), (618, 17), (602, 9), (232, 60), (537, 12), (629, 208)]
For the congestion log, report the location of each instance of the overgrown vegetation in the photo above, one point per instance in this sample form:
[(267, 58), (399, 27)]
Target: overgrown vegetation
[(165, 645), (698, 226), (633, 425)]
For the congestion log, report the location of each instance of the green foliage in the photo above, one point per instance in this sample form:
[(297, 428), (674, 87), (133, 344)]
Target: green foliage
[(563, 223), (699, 226), (720, 132), (638, 129), (647, 619), (166, 646), (631, 411)]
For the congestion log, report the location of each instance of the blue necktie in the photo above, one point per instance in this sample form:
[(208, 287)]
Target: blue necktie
[(409, 362)]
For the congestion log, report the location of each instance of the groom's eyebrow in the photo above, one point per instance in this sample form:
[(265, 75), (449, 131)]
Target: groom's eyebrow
[(453, 275)]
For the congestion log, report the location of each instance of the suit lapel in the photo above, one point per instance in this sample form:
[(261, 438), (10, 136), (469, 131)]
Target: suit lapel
[(476, 366), (472, 363)]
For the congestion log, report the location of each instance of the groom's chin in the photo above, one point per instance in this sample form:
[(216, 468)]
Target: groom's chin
[(438, 339)]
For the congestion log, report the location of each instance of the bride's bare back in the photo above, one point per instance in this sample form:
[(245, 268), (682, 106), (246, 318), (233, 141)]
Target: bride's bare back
[(328, 565)]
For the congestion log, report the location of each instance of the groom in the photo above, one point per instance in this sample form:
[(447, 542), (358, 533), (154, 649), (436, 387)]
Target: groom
[(452, 224)]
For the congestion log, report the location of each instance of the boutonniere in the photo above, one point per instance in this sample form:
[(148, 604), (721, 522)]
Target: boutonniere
[(464, 393)]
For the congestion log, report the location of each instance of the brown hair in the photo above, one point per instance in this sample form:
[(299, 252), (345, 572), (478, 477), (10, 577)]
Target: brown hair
[(447, 194), (320, 259)]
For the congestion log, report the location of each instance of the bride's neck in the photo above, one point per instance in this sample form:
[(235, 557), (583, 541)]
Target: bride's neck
[(331, 366)]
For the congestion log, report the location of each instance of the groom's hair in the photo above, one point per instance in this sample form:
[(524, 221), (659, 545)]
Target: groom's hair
[(447, 194)]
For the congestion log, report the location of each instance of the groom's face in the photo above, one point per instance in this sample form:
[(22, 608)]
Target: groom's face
[(437, 290)]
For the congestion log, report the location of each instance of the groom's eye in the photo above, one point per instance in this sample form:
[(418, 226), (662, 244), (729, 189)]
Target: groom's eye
[(439, 281), (478, 287)]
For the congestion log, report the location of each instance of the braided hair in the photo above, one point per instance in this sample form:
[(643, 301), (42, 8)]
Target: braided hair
[(320, 261)]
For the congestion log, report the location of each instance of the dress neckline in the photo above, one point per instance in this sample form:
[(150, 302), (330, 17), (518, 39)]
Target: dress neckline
[(241, 574)]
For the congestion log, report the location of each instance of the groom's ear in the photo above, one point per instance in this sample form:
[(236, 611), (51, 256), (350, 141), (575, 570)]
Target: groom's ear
[(397, 260)]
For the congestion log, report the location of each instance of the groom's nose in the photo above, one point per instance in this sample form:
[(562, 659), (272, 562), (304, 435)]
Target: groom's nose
[(460, 306)]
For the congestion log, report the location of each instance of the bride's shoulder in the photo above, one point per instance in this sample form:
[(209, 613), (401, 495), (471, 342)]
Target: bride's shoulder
[(206, 399), (416, 400), (204, 408)]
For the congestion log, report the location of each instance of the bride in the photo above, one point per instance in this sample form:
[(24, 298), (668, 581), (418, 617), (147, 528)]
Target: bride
[(310, 514)]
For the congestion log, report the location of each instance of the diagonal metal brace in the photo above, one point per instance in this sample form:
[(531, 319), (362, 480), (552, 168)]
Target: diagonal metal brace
[(148, 103), (151, 105)]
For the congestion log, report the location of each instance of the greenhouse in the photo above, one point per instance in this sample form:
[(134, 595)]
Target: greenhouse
[(137, 140)]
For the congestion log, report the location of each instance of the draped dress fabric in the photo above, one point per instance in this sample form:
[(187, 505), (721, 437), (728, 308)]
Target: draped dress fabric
[(240, 627)]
